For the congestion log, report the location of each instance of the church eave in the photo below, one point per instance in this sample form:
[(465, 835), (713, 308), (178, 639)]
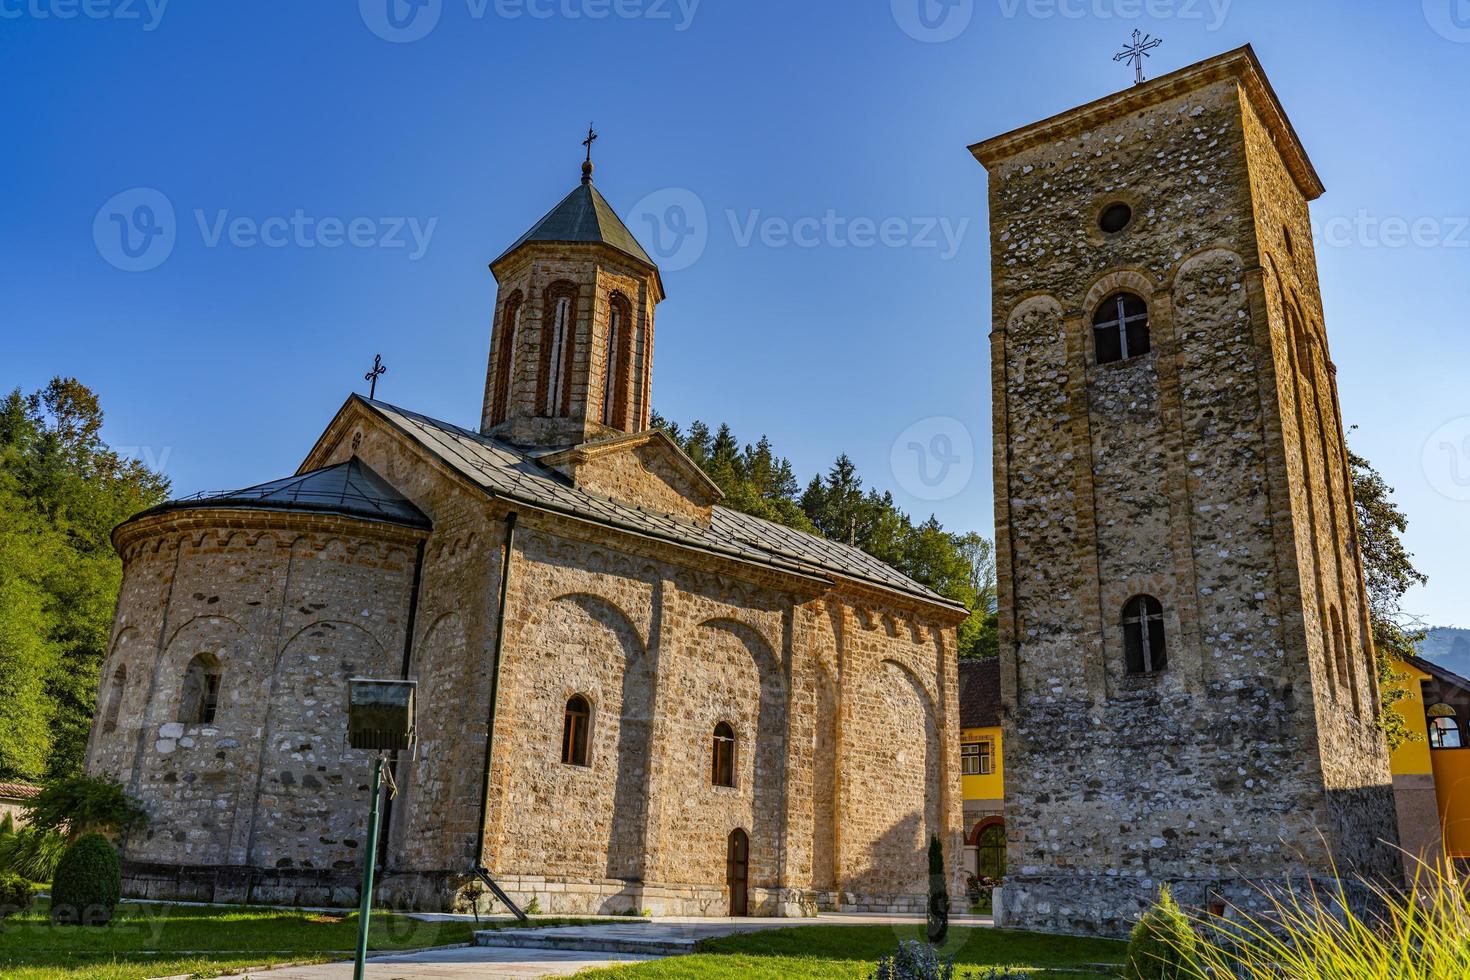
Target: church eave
[(498, 267)]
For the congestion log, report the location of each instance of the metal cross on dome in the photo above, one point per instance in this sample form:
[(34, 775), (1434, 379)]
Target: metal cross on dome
[(1135, 53)]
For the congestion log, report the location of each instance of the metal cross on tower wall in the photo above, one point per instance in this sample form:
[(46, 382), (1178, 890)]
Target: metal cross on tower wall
[(1134, 53)]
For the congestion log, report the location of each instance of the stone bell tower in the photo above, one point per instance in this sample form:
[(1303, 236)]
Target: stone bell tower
[(1186, 659), (571, 351)]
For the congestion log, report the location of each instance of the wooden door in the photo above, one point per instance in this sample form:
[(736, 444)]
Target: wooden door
[(737, 870)]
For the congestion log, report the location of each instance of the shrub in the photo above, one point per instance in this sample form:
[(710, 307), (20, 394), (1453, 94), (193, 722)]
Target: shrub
[(938, 893), (87, 884), (15, 897), (1163, 945), (914, 960), (80, 805), (31, 853)]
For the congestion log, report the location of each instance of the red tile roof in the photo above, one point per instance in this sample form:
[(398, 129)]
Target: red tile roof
[(18, 791)]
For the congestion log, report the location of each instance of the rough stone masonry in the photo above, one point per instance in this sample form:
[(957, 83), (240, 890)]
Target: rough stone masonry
[(577, 557), (1209, 475)]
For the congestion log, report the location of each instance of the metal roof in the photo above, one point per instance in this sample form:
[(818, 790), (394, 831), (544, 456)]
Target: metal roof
[(349, 489), (502, 469), (584, 216)]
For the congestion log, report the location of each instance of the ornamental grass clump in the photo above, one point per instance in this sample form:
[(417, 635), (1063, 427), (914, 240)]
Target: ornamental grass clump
[(1421, 933)]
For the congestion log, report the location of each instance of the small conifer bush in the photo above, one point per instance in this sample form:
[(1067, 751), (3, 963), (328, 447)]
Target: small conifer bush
[(88, 883), (1163, 945)]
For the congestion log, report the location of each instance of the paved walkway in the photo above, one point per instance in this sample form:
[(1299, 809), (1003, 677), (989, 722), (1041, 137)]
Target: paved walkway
[(568, 949)]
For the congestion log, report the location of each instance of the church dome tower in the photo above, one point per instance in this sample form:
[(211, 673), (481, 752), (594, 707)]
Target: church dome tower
[(571, 352)]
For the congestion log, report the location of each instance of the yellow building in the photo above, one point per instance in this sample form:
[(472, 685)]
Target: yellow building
[(981, 768), (1431, 775)]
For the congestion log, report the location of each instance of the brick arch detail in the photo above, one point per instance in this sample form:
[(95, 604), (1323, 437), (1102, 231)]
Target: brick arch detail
[(972, 838), (1119, 280)]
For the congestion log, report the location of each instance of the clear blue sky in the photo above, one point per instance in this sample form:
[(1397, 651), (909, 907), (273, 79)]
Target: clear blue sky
[(225, 360)]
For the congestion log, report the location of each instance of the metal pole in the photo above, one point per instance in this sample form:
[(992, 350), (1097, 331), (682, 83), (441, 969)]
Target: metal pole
[(369, 859)]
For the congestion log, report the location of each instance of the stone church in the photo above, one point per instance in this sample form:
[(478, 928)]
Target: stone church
[(630, 697), (1187, 665)]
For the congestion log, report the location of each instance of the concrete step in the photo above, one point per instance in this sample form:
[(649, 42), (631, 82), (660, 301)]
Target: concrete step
[(630, 938)]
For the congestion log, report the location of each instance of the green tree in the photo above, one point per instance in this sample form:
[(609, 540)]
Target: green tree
[(62, 490), (1389, 572)]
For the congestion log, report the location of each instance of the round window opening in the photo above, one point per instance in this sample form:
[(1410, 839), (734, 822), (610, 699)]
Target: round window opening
[(1115, 218)]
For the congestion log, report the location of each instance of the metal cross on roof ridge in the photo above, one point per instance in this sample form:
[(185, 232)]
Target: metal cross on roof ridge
[(372, 376), (1135, 53)]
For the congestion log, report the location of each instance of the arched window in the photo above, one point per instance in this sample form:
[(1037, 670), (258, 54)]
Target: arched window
[(558, 337), (200, 696), (722, 762), (619, 357), (1444, 727), (505, 358), (574, 731), (1120, 328), (990, 846), (114, 699), (1143, 635)]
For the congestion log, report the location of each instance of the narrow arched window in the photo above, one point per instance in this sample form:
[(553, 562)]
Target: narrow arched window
[(574, 731), (114, 699), (200, 696), (505, 358), (1444, 729), (1120, 328), (722, 762), (1143, 635), (558, 337), (619, 357)]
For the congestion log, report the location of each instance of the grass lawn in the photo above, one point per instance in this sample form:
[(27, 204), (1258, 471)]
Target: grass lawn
[(853, 951), (164, 940)]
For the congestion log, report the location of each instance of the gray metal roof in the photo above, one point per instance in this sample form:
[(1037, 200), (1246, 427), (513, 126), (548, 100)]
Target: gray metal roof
[(507, 471), (349, 489), (584, 216)]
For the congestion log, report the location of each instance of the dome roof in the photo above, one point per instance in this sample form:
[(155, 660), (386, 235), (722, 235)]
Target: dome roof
[(349, 489)]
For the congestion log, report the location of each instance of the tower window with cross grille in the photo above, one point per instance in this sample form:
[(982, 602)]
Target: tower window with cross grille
[(1120, 328), (1143, 635)]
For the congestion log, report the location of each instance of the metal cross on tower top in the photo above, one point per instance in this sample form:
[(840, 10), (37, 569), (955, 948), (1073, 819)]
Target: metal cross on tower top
[(1135, 53), (587, 164), (372, 376)]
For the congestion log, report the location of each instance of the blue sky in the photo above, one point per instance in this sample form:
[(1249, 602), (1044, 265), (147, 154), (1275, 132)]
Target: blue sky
[(338, 184)]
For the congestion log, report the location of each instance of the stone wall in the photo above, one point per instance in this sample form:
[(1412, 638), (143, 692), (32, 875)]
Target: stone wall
[(1167, 475), (290, 605)]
